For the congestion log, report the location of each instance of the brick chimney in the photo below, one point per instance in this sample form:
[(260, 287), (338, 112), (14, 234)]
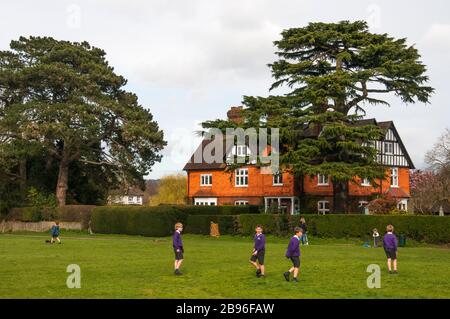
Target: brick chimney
[(234, 114)]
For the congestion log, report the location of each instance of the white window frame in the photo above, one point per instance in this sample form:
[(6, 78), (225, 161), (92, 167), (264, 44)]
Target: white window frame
[(403, 205), (321, 183), (277, 179), (321, 204), (205, 179), (241, 150), (241, 202), (363, 203), (391, 146), (365, 182), (394, 177), (205, 201), (241, 177)]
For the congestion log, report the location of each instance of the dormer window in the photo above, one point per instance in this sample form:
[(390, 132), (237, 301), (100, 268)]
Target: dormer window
[(241, 150)]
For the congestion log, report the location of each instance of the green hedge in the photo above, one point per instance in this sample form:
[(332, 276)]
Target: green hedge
[(146, 221), (200, 224), (431, 229), (219, 210), (272, 224)]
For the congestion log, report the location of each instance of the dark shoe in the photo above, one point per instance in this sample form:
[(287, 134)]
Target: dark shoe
[(286, 275), (395, 272), (258, 272), (295, 279), (178, 272)]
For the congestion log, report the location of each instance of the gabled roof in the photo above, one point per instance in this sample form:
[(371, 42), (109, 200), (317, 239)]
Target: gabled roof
[(309, 132), (385, 126), (203, 165)]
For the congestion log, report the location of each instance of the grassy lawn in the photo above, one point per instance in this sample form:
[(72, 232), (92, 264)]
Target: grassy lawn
[(139, 267)]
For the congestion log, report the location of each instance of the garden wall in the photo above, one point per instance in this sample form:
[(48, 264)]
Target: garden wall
[(13, 226)]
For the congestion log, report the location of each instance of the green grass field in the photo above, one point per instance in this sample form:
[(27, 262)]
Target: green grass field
[(139, 267)]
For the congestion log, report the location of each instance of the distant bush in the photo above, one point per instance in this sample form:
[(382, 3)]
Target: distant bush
[(38, 199)]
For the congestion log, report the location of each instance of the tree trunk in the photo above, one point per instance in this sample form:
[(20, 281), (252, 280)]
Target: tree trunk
[(23, 175), (340, 193), (63, 178)]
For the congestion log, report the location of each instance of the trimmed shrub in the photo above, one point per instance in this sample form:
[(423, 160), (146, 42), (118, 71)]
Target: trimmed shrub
[(272, 224), (75, 213), (155, 221), (28, 214), (430, 229), (200, 224)]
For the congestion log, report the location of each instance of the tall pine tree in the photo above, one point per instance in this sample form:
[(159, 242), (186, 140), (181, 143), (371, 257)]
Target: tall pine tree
[(333, 71)]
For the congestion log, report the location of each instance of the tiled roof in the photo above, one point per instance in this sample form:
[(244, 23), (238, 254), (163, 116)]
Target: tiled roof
[(396, 192), (310, 132)]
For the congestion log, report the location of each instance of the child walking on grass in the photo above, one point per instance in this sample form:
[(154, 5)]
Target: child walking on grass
[(178, 247), (390, 245), (55, 233), (259, 250), (293, 253)]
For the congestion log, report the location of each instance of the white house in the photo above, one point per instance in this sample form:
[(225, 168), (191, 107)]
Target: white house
[(134, 196)]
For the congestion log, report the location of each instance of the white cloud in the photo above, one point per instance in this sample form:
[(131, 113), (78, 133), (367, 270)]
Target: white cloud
[(437, 36), (190, 60)]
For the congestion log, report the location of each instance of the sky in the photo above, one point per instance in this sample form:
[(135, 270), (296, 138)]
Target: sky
[(189, 61)]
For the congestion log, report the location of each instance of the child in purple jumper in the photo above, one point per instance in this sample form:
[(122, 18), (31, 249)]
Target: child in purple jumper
[(293, 253), (390, 245), (259, 250), (178, 247)]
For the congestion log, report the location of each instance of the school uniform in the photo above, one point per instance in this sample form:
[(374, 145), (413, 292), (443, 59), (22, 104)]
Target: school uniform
[(260, 248), (293, 251), (390, 245), (178, 245)]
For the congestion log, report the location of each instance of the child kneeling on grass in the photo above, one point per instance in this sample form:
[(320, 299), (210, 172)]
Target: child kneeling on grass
[(178, 247), (293, 253), (259, 250), (390, 245), (55, 234)]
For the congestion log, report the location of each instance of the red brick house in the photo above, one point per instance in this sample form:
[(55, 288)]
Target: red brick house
[(210, 184)]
